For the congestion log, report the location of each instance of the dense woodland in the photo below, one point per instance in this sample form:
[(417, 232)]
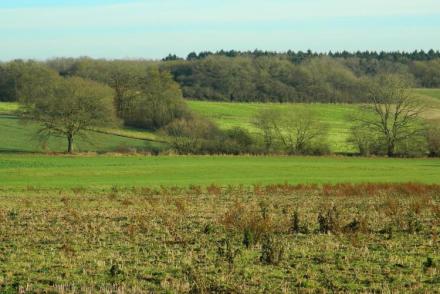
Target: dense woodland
[(258, 76), (67, 96)]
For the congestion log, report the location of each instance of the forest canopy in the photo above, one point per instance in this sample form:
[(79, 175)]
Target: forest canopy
[(257, 76)]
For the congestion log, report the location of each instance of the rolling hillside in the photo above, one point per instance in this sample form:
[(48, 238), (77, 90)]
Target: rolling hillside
[(431, 97), (17, 137), (428, 93), (228, 115)]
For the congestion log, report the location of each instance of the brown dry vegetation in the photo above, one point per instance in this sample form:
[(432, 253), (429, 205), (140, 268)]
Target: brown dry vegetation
[(277, 238)]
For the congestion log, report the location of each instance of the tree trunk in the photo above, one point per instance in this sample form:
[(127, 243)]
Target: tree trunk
[(390, 150), (69, 144)]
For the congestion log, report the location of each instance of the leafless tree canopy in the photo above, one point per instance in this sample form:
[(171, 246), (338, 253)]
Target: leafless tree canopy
[(394, 113)]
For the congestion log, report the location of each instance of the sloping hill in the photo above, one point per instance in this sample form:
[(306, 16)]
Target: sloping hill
[(228, 115), (17, 137), (431, 98), (430, 93)]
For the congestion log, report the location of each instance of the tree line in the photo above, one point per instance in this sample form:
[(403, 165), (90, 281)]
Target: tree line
[(67, 97), (258, 76), (299, 56), (284, 78)]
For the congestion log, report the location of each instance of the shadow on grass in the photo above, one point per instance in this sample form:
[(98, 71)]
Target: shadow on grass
[(18, 151)]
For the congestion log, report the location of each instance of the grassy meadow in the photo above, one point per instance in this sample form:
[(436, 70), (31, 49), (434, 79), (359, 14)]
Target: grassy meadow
[(432, 93), (21, 138), (336, 116), (20, 172), (228, 115), (8, 107), (17, 136)]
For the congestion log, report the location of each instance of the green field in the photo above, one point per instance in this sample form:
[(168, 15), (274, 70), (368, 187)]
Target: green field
[(19, 172), (19, 137), (433, 93), (228, 115), (336, 116), (431, 98), (8, 107)]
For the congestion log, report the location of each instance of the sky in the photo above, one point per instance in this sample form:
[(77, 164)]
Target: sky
[(151, 29)]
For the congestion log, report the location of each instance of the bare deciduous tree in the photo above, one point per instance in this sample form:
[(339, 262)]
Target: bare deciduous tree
[(297, 131), (393, 113), (433, 137), (300, 130), (267, 121)]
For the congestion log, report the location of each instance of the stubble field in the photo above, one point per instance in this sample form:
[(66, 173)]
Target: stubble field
[(235, 239)]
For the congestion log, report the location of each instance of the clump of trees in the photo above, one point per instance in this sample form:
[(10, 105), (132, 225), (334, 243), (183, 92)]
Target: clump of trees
[(199, 135), (433, 137), (295, 76), (266, 79), (100, 94), (390, 124), (292, 131), (144, 96), (24, 79), (260, 76), (427, 73), (157, 102)]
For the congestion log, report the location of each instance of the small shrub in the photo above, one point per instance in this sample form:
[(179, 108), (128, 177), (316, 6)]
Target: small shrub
[(353, 226), (208, 229), (264, 207), (241, 136), (433, 139), (323, 224), (12, 214), (413, 223), (295, 225), (226, 250), (429, 263), (248, 238), (329, 222), (115, 270), (387, 231), (244, 218), (365, 141), (272, 250)]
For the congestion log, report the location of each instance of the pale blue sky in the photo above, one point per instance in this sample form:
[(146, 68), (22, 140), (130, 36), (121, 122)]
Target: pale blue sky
[(153, 28)]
